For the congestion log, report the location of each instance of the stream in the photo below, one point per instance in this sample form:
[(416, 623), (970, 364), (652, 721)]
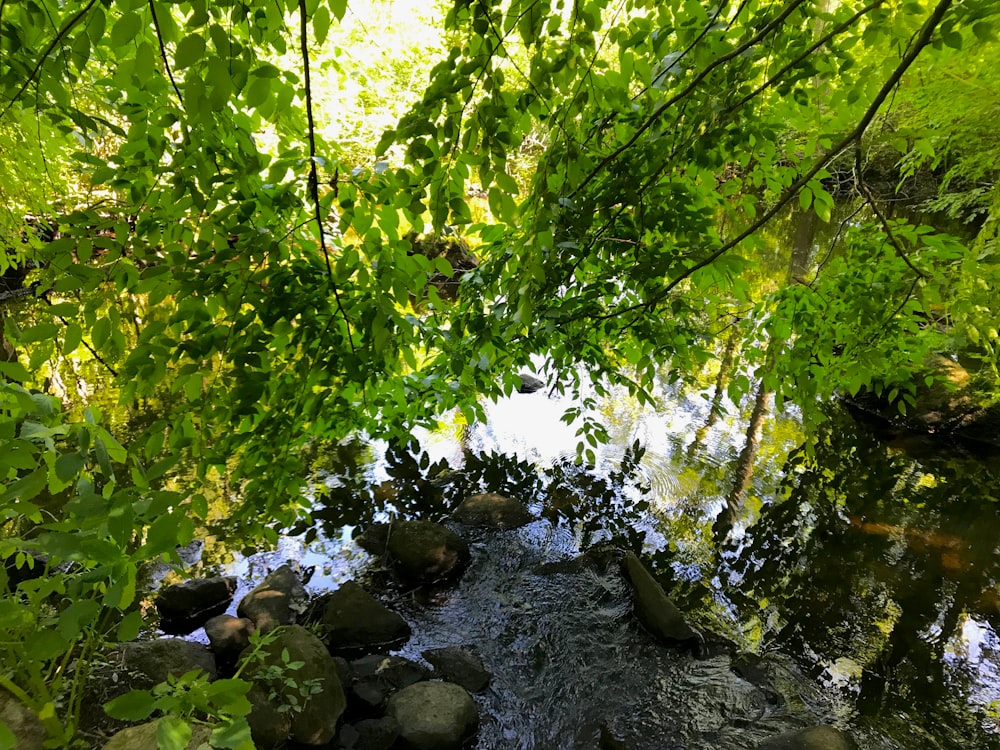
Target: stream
[(857, 584)]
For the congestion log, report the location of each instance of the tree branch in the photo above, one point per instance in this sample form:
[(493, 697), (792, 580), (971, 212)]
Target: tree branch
[(46, 52), (163, 52), (313, 174)]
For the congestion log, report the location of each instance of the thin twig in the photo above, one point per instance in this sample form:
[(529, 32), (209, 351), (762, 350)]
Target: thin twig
[(163, 52)]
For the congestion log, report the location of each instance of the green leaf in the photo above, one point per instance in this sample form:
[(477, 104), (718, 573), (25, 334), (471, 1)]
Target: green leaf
[(189, 50), (232, 736), (339, 8), (135, 705), (72, 338), (129, 627), (14, 371), (125, 29), (68, 465), (7, 739), (173, 733)]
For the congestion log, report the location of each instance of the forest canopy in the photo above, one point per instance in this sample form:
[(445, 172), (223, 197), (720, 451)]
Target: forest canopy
[(267, 232)]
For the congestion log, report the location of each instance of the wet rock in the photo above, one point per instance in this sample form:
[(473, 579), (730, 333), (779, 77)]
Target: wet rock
[(276, 601), (376, 734), (185, 606), (529, 383), (459, 665), (228, 636), (596, 560), (158, 659), (315, 693), (823, 737), (418, 551), (356, 620), (395, 672), (29, 734), (653, 607), (493, 511), (143, 737), (434, 715)]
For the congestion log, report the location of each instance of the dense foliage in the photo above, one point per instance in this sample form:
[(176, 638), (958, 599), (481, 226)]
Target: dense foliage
[(187, 220)]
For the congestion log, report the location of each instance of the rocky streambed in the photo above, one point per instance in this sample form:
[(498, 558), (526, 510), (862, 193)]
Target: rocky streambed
[(479, 633)]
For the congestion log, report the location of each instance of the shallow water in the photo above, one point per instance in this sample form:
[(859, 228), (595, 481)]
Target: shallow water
[(863, 574)]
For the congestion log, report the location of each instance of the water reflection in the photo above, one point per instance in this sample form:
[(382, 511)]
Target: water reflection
[(873, 563)]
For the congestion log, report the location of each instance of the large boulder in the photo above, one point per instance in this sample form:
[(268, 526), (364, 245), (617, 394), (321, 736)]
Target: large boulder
[(493, 511), (163, 657), (434, 715), (823, 737), (22, 723), (459, 665), (653, 607), (276, 601), (356, 620), (418, 551), (301, 704), (143, 737), (186, 606)]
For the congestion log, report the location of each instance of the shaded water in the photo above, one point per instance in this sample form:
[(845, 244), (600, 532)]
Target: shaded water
[(861, 577)]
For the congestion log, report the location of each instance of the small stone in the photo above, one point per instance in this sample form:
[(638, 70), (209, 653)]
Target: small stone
[(459, 665), (276, 601), (228, 636), (190, 603), (356, 620), (492, 510), (393, 671), (434, 715)]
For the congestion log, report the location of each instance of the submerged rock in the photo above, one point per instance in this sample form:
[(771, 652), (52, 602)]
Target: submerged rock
[(143, 737), (459, 665), (493, 511), (276, 601), (418, 551), (357, 620), (302, 704), (163, 657), (823, 737), (434, 715), (653, 607), (186, 606)]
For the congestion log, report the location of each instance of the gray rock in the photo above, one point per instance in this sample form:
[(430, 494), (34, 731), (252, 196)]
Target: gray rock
[(529, 383), (22, 722), (356, 620), (158, 659), (306, 711), (276, 601), (434, 715), (459, 665), (418, 551), (192, 601), (228, 636), (143, 737), (492, 510), (653, 607), (823, 737)]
